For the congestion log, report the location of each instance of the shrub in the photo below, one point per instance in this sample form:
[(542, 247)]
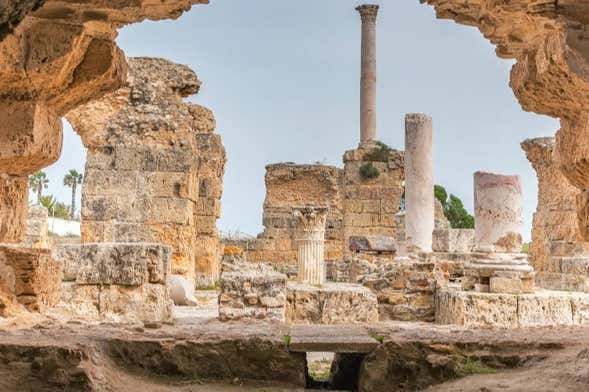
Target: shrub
[(368, 171), (379, 154)]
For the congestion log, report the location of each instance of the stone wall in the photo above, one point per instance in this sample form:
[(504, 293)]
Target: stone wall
[(116, 282), (289, 186), (154, 167), (370, 204)]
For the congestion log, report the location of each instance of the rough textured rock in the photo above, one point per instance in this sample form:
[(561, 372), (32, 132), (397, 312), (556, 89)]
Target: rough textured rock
[(550, 76), (31, 277), (154, 167), (60, 56), (542, 308), (405, 288), (251, 291), (332, 303), (14, 195), (555, 232), (117, 282), (36, 234)]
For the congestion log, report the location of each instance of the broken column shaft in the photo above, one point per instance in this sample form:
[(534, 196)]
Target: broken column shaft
[(310, 238), (368, 14), (498, 209), (419, 182)]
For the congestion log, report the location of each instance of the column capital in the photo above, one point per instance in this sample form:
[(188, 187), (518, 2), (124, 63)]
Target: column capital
[(368, 12), (310, 218)]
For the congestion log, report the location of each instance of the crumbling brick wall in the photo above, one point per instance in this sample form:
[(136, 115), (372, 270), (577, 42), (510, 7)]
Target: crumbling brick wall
[(288, 186), (154, 167)]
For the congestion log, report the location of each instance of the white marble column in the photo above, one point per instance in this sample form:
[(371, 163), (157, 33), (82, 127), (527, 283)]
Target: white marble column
[(419, 182), (368, 14), (310, 238), (498, 210)]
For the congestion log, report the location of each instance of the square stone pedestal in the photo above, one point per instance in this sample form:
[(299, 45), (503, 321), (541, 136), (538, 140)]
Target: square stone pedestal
[(541, 308), (332, 303), (121, 282), (501, 273)]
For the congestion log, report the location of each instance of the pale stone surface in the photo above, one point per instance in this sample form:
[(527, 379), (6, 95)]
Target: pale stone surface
[(332, 303), (181, 291), (116, 281), (542, 308), (309, 237), (373, 244), (368, 13), (154, 168), (251, 291), (498, 209), (453, 240), (419, 182), (37, 229)]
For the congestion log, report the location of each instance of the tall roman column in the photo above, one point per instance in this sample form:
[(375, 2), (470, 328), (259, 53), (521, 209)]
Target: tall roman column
[(498, 210), (368, 14), (419, 182), (310, 238)]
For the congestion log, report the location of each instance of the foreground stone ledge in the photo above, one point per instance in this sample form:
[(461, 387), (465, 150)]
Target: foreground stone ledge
[(332, 303), (542, 308)]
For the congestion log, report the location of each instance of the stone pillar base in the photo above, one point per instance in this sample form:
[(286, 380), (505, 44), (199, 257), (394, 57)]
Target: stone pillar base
[(498, 273)]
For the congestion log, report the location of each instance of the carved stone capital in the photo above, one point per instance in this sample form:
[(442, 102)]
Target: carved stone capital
[(368, 12)]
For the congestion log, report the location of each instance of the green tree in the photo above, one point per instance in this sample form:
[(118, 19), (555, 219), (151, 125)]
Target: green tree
[(61, 210), (38, 182), (47, 202), (457, 215), (454, 209), (441, 194), (72, 179)]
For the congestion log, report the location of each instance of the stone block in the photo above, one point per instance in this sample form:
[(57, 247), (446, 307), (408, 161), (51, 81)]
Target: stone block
[(544, 309), (251, 291), (505, 285), (332, 303), (472, 309), (128, 264), (453, 240), (35, 276), (372, 244)]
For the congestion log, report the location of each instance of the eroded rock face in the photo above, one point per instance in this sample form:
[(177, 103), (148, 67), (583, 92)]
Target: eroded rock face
[(555, 232), (551, 74), (60, 56), (154, 167)]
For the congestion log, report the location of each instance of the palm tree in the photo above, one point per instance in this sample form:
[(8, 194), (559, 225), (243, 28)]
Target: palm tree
[(37, 182), (73, 179)]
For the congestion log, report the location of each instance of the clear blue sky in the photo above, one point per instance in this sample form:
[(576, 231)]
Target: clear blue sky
[(283, 81)]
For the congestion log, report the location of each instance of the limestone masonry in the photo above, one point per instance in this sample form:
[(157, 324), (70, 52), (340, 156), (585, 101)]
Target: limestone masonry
[(154, 168)]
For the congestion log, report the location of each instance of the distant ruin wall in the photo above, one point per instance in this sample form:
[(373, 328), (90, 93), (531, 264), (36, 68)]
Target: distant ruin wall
[(289, 186)]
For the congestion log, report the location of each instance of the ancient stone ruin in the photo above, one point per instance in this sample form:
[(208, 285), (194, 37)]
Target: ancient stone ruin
[(358, 261)]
